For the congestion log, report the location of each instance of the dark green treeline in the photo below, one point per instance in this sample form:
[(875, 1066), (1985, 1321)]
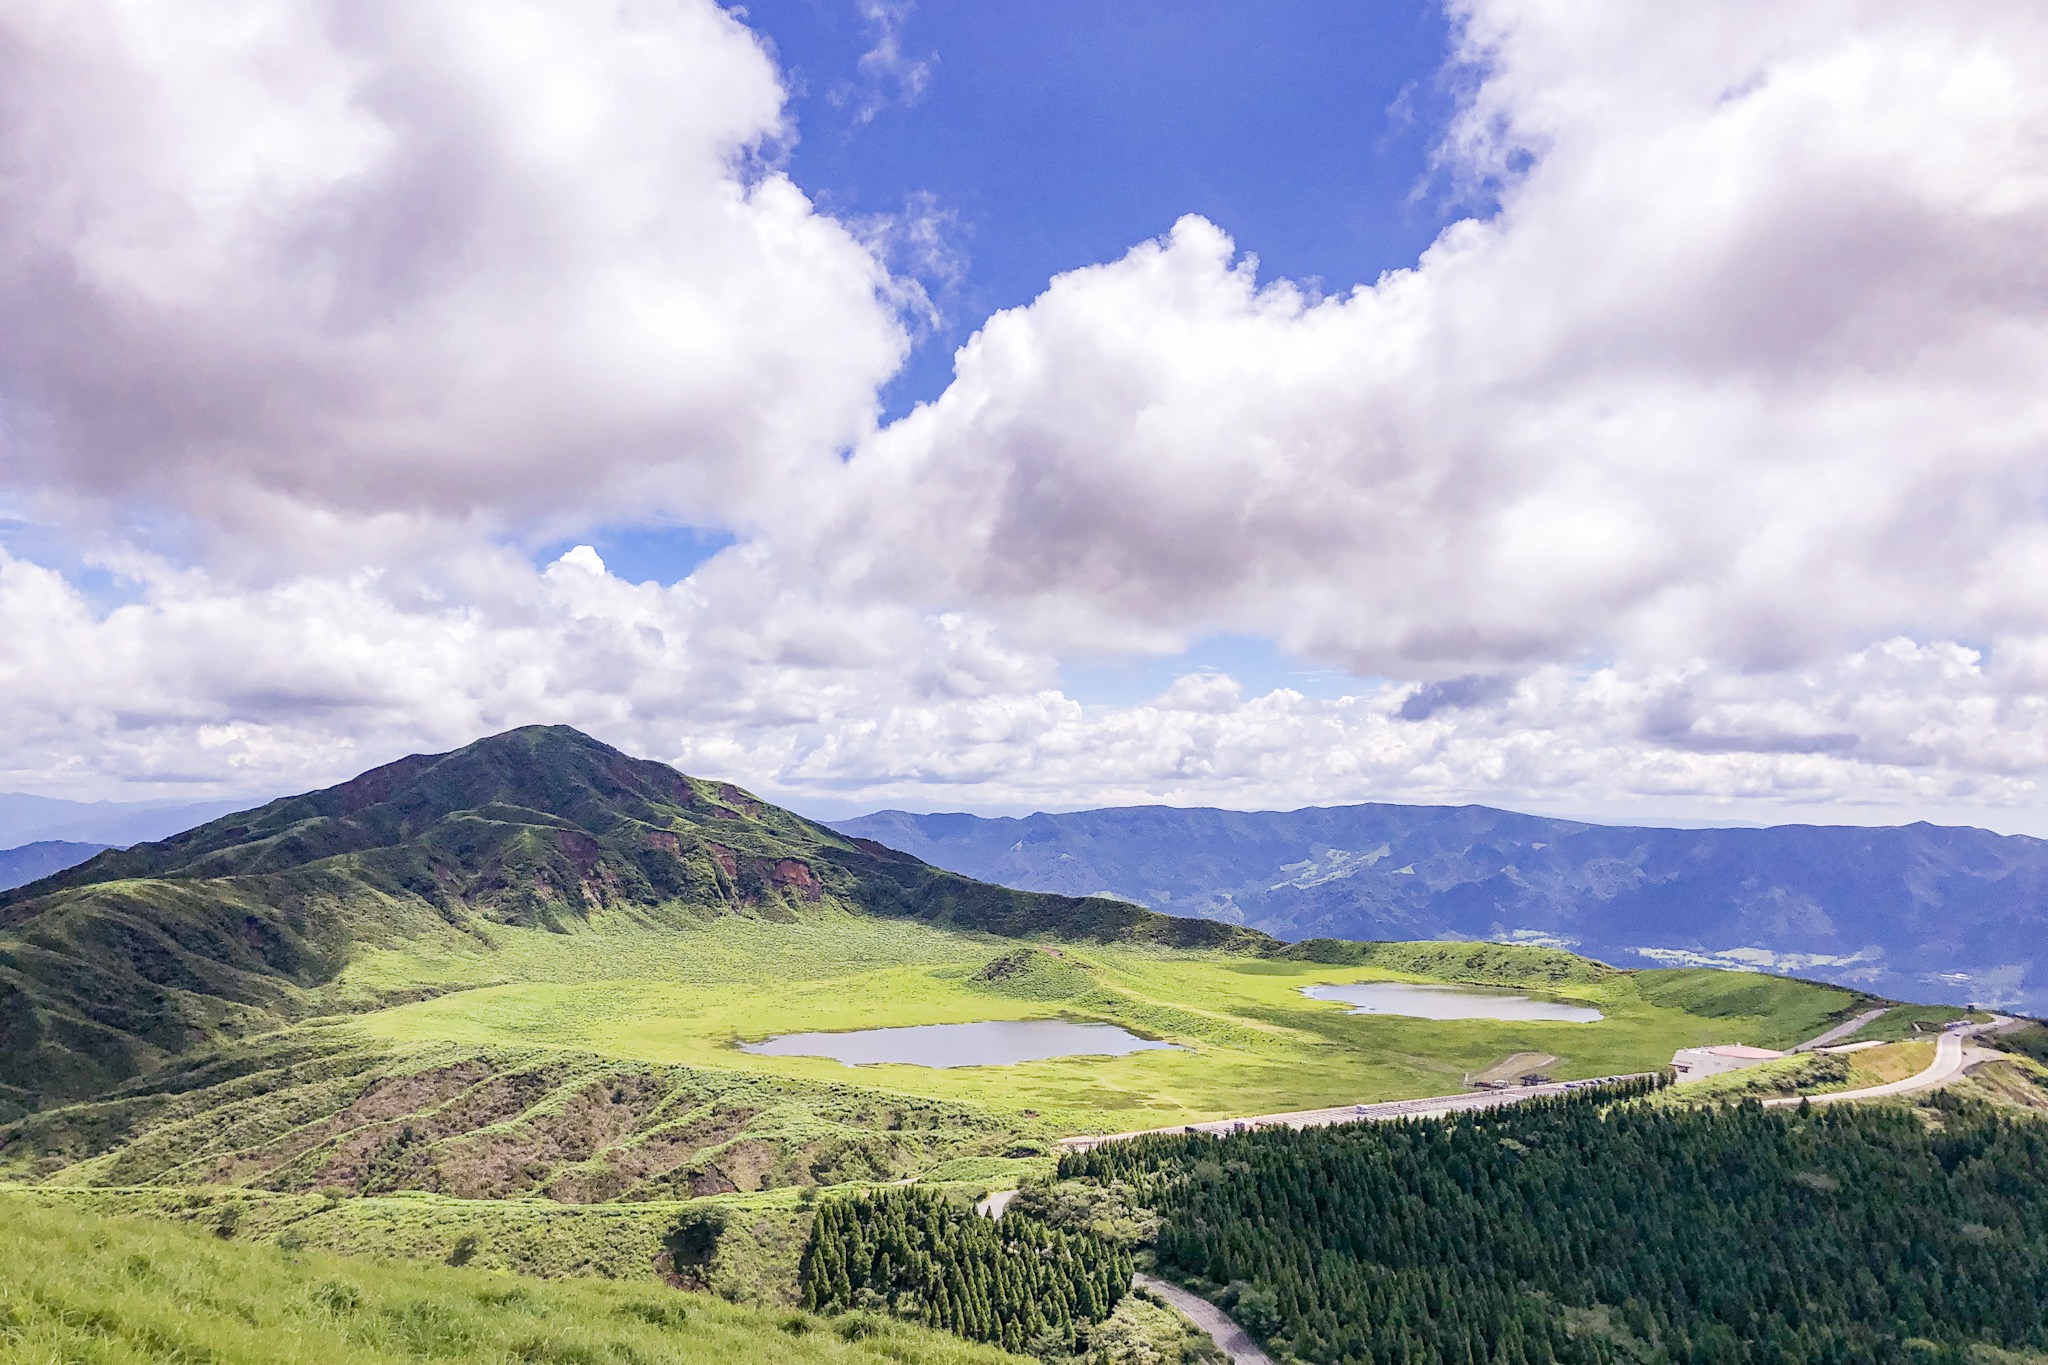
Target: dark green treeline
[(1015, 1282), (1570, 1231)]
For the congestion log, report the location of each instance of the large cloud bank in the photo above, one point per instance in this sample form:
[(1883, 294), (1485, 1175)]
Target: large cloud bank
[(287, 267), (1707, 462), (1749, 366)]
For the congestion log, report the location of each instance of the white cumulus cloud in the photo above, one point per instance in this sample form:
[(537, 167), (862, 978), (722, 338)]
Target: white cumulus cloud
[(1748, 364), (309, 270)]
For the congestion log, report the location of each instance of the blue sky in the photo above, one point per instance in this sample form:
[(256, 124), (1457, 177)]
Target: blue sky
[(1058, 134), (1047, 137)]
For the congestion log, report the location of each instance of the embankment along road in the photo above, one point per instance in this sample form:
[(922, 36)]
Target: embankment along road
[(1427, 1107), (1952, 1054), (1235, 1342)]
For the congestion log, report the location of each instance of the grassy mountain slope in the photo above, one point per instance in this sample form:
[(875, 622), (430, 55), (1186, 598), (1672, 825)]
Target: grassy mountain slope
[(140, 954), (77, 1286), (325, 1107)]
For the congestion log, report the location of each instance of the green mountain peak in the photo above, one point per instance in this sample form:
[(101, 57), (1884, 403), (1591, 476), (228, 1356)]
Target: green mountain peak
[(242, 923)]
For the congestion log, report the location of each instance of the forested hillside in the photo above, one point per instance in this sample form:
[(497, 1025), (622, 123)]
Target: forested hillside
[(1573, 1231), (1918, 912), (1014, 1281)]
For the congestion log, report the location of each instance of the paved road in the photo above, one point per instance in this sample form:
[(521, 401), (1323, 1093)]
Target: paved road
[(1358, 1113), (1840, 1030), (1951, 1056), (997, 1201), (1234, 1340)]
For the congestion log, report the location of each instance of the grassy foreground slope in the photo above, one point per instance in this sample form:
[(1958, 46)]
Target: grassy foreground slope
[(81, 1287), (137, 955)]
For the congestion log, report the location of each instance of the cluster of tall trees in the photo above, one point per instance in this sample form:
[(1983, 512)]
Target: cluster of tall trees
[(1575, 1230), (1016, 1281)]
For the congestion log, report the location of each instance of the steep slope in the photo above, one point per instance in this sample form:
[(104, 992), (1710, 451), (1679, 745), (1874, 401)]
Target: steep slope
[(138, 954), (32, 862), (1918, 912)]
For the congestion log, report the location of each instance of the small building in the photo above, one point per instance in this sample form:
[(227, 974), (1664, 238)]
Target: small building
[(1698, 1063)]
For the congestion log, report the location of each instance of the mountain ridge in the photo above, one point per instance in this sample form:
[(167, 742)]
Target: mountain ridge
[(136, 955), (1909, 911), (33, 861)]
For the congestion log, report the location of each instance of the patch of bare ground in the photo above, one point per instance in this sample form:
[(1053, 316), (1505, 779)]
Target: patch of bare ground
[(397, 1144), (669, 1149), (520, 1156), (1513, 1068)]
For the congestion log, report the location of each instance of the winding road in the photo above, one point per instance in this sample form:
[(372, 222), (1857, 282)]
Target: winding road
[(1951, 1056), (1235, 1342), (1841, 1031)]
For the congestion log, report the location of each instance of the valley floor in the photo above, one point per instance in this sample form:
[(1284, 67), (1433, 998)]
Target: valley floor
[(1249, 1040)]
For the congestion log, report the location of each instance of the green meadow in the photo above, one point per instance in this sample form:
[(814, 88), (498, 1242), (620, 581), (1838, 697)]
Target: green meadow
[(1247, 1041), (80, 1286)]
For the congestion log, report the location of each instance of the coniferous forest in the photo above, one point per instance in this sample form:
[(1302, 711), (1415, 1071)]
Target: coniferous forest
[(1576, 1230), (1014, 1281)]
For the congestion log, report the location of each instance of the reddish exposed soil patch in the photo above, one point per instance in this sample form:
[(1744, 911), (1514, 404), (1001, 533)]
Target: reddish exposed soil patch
[(791, 874)]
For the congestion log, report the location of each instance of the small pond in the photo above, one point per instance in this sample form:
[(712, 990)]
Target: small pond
[(1448, 1002), (995, 1043)]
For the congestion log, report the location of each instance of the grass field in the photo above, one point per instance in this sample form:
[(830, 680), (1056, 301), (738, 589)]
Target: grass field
[(1902, 1022), (1892, 1062), (1249, 1041), (82, 1287)]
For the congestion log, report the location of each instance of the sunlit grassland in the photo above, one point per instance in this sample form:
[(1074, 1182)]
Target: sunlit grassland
[(76, 1286), (1892, 1062), (1909, 1021), (1248, 1041)]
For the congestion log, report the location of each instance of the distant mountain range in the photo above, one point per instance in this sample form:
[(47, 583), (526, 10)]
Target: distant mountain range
[(26, 819), (1918, 911), (30, 862)]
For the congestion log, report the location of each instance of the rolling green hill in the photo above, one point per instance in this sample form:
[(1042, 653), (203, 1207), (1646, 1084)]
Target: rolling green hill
[(138, 955)]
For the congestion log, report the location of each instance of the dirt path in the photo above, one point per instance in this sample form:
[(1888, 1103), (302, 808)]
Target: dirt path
[(1235, 1342), (1841, 1030), (1356, 1113)]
